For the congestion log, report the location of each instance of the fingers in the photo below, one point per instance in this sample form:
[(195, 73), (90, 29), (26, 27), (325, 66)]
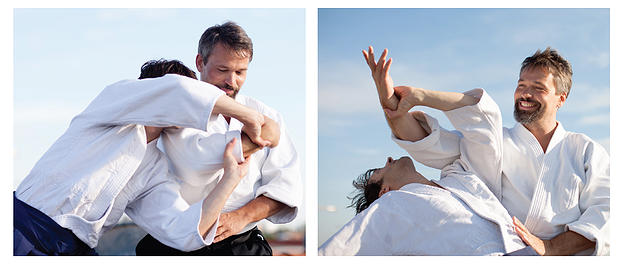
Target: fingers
[(518, 223), (244, 167), (229, 149), (369, 56), (386, 67), (521, 229), (381, 62), (220, 237)]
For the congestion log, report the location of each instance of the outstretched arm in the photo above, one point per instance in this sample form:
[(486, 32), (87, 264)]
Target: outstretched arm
[(440, 100)]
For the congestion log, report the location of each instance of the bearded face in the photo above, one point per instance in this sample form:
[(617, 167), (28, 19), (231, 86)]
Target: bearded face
[(528, 110)]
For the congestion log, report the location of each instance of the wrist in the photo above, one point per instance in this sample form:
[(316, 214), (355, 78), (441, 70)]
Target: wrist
[(549, 248)]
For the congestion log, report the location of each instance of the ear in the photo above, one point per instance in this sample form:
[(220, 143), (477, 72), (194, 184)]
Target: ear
[(199, 62), (563, 98), (384, 189)]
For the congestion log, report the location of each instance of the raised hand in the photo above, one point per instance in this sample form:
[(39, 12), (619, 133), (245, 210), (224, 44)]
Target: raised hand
[(409, 97), (382, 79)]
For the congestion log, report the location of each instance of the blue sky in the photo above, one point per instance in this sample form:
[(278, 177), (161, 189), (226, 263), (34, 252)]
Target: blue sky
[(64, 57), (442, 49)]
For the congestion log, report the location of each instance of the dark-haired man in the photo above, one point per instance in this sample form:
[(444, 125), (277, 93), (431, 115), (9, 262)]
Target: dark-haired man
[(271, 190), (556, 182), (400, 212), (106, 163)]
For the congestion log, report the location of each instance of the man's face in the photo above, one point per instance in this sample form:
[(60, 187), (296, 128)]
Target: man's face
[(225, 68), (393, 172), (535, 97)]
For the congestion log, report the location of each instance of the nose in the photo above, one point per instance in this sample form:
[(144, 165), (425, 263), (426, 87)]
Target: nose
[(525, 92), (231, 79), (389, 160)]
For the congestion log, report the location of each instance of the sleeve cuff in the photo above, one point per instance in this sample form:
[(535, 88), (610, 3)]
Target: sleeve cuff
[(284, 196), (229, 135), (209, 238), (591, 233)]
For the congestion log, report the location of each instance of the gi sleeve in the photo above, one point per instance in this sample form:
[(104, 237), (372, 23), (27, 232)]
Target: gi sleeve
[(481, 143), (196, 156), (163, 213), (437, 150), (594, 200), (171, 100), (281, 176)]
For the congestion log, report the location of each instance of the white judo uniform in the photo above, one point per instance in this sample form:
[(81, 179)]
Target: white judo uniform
[(273, 172), (565, 188), (102, 165), (463, 218)]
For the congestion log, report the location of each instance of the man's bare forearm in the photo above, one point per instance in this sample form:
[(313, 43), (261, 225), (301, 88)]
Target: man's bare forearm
[(440, 100), (567, 243), (446, 101), (259, 208)]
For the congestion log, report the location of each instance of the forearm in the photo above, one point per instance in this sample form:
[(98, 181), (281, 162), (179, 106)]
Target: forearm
[(406, 127), (567, 243), (229, 107), (444, 101), (259, 208), (214, 202)]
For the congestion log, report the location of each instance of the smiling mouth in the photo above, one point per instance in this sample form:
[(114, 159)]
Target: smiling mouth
[(528, 105)]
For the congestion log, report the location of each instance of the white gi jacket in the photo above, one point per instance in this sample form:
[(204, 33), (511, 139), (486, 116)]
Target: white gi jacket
[(273, 172), (102, 165), (565, 188), (464, 218)]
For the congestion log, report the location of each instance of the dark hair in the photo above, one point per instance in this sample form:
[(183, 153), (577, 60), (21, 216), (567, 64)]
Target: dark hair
[(366, 192), (230, 35), (158, 68), (551, 61)]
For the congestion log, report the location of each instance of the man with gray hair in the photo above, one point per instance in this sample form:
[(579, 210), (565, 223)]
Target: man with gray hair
[(554, 182), (271, 190)]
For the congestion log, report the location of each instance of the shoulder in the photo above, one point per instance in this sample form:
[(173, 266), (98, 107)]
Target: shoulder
[(584, 143)]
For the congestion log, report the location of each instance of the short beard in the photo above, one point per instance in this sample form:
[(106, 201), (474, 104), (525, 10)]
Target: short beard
[(234, 93), (525, 117)]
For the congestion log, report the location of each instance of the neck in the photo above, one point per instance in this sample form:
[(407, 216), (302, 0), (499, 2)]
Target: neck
[(417, 179), (542, 131)]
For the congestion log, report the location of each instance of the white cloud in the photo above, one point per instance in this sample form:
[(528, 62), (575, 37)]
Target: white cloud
[(601, 60), (585, 97), (327, 208), (598, 119)]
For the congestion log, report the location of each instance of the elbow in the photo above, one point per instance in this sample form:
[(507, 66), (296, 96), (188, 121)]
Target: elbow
[(271, 131)]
